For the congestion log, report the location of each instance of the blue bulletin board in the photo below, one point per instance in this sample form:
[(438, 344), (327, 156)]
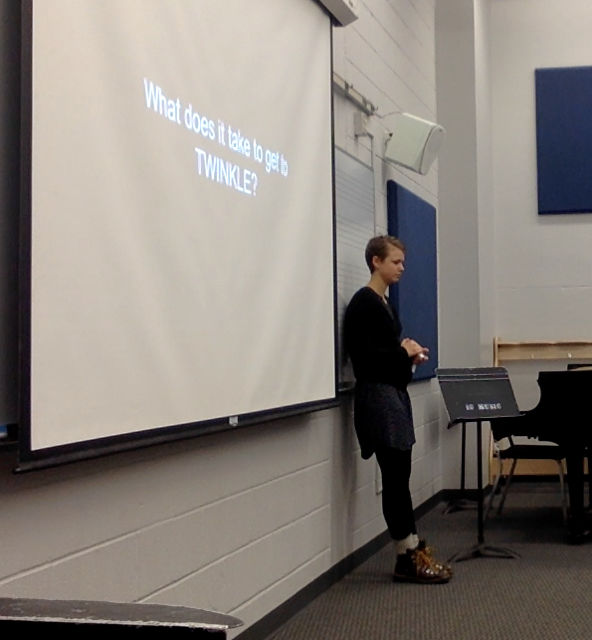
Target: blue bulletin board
[(415, 297), (564, 139)]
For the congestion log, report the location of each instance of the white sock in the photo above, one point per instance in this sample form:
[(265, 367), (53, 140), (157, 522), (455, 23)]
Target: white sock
[(410, 542)]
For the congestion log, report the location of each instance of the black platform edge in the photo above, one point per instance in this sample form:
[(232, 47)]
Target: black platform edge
[(452, 495), (448, 495), (275, 619), (542, 478)]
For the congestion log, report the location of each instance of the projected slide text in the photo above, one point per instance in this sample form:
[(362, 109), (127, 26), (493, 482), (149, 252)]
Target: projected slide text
[(209, 165)]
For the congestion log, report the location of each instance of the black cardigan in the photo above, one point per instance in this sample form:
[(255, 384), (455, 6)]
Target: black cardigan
[(372, 338)]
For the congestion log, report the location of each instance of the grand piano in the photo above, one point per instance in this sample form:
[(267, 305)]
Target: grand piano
[(564, 416)]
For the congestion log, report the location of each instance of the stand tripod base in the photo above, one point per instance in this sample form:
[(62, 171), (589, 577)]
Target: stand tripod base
[(460, 505), (484, 551)]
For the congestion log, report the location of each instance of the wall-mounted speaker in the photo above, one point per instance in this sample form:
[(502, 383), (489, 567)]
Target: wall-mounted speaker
[(343, 12), (414, 143)]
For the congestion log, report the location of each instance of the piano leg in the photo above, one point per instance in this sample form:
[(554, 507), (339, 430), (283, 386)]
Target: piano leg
[(589, 459), (578, 527)]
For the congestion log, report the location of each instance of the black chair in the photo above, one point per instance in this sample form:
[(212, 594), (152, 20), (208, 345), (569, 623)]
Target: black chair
[(503, 432)]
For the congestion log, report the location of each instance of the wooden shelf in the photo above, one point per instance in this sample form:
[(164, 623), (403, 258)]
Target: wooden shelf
[(504, 351)]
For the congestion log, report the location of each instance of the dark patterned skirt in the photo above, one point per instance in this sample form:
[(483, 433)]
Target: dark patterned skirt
[(382, 416)]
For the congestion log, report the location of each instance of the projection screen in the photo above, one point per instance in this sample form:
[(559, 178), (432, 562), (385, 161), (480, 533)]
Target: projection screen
[(178, 241)]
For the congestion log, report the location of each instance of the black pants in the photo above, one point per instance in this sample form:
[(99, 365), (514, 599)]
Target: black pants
[(397, 507)]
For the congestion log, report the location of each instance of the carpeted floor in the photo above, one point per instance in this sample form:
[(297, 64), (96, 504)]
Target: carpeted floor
[(546, 594)]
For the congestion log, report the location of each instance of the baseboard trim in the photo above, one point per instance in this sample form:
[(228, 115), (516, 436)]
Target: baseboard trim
[(270, 623)]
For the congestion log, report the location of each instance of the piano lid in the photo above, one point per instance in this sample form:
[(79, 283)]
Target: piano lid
[(564, 411), (566, 393)]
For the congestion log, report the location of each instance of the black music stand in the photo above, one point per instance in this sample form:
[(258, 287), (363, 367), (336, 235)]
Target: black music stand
[(477, 395), (461, 503)]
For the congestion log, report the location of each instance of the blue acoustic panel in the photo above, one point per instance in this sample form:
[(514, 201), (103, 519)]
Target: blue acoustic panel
[(415, 297), (564, 139)]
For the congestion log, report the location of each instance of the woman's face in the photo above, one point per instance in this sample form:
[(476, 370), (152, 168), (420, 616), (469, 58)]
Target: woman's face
[(391, 268)]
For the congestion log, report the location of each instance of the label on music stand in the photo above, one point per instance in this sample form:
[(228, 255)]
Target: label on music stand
[(479, 393)]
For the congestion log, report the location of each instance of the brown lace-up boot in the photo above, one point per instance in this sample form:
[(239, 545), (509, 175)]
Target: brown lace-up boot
[(418, 566), (441, 566)]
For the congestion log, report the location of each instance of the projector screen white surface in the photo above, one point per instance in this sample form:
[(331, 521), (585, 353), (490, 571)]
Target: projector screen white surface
[(181, 214)]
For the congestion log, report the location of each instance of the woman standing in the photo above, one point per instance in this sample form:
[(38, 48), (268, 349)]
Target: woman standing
[(382, 365)]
